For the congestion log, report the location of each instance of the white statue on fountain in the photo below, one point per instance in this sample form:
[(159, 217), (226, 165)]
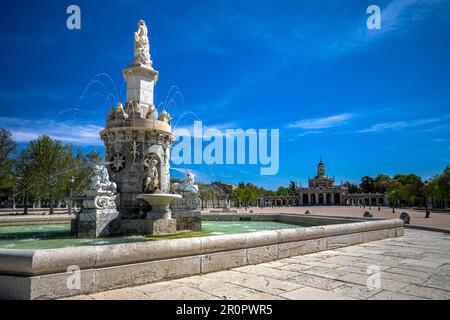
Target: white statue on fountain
[(100, 180), (187, 185), (141, 46), (101, 193)]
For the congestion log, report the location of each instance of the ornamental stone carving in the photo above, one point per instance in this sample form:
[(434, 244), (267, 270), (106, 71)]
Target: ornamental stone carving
[(151, 174), (141, 46), (101, 193), (189, 190)]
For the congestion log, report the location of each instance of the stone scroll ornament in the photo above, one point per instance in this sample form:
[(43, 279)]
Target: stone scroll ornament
[(192, 200), (151, 182), (101, 193)]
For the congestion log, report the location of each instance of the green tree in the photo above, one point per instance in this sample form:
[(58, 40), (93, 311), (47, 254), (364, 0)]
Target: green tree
[(220, 191), (367, 184), (225, 191), (409, 188), (352, 187), (393, 196), (52, 166), (83, 170), (206, 193), (381, 183), (441, 186), (245, 194), (7, 150), (282, 191), (24, 178), (237, 195), (249, 195), (293, 188)]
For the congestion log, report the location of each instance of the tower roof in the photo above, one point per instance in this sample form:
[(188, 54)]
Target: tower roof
[(321, 162)]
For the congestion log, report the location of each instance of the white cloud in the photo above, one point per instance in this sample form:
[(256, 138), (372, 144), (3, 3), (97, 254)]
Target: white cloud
[(305, 133), (322, 123), (302, 40), (24, 130), (378, 127), (402, 14), (350, 34), (206, 131), (441, 140)]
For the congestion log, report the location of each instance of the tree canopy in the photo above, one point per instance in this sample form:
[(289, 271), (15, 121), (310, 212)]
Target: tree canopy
[(7, 151), (46, 169)]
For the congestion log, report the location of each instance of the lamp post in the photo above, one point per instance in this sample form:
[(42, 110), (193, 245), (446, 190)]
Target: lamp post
[(393, 201), (427, 211)]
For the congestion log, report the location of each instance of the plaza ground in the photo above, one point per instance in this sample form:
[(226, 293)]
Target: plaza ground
[(439, 220), (415, 266)]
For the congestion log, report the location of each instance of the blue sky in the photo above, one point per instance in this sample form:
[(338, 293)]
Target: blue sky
[(368, 101)]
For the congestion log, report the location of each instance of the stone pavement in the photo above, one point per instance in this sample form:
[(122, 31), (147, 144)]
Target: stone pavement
[(416, 266), (440, 220)]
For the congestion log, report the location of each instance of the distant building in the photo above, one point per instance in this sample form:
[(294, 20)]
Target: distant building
[(323, 191)]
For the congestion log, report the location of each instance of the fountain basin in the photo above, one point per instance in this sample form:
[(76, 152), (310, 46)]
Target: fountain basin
[(44, 273), (160, 204), (159, 219)]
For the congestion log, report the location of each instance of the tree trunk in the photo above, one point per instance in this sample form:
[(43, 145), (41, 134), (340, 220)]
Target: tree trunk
[(51, 210), (25, 203)]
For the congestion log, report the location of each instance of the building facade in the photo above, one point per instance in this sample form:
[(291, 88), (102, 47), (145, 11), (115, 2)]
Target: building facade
[(322, 190)]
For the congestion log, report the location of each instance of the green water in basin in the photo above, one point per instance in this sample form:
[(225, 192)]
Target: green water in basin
[(52, 236)]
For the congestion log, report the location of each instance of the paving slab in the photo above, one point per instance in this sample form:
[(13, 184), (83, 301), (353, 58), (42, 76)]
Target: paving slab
[(426, 292), (181, 293), (391, 295), (275, 273), (308, 293), (317, 282), (415, 266), (355, 291)]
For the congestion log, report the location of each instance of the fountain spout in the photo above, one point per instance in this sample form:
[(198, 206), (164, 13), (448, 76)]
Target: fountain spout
[(160, 204)]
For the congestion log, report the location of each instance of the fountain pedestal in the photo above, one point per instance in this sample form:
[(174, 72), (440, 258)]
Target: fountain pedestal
[(159, 220), (98, 216)]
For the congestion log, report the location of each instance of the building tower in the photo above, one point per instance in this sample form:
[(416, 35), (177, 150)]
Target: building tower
[(321, 169)]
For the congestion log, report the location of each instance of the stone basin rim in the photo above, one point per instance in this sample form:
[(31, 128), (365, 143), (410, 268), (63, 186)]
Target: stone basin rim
[(158, 199), (45, 261), (160, 195)]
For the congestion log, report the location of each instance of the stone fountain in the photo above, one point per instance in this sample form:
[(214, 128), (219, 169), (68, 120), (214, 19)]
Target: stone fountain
[(137, 141)]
